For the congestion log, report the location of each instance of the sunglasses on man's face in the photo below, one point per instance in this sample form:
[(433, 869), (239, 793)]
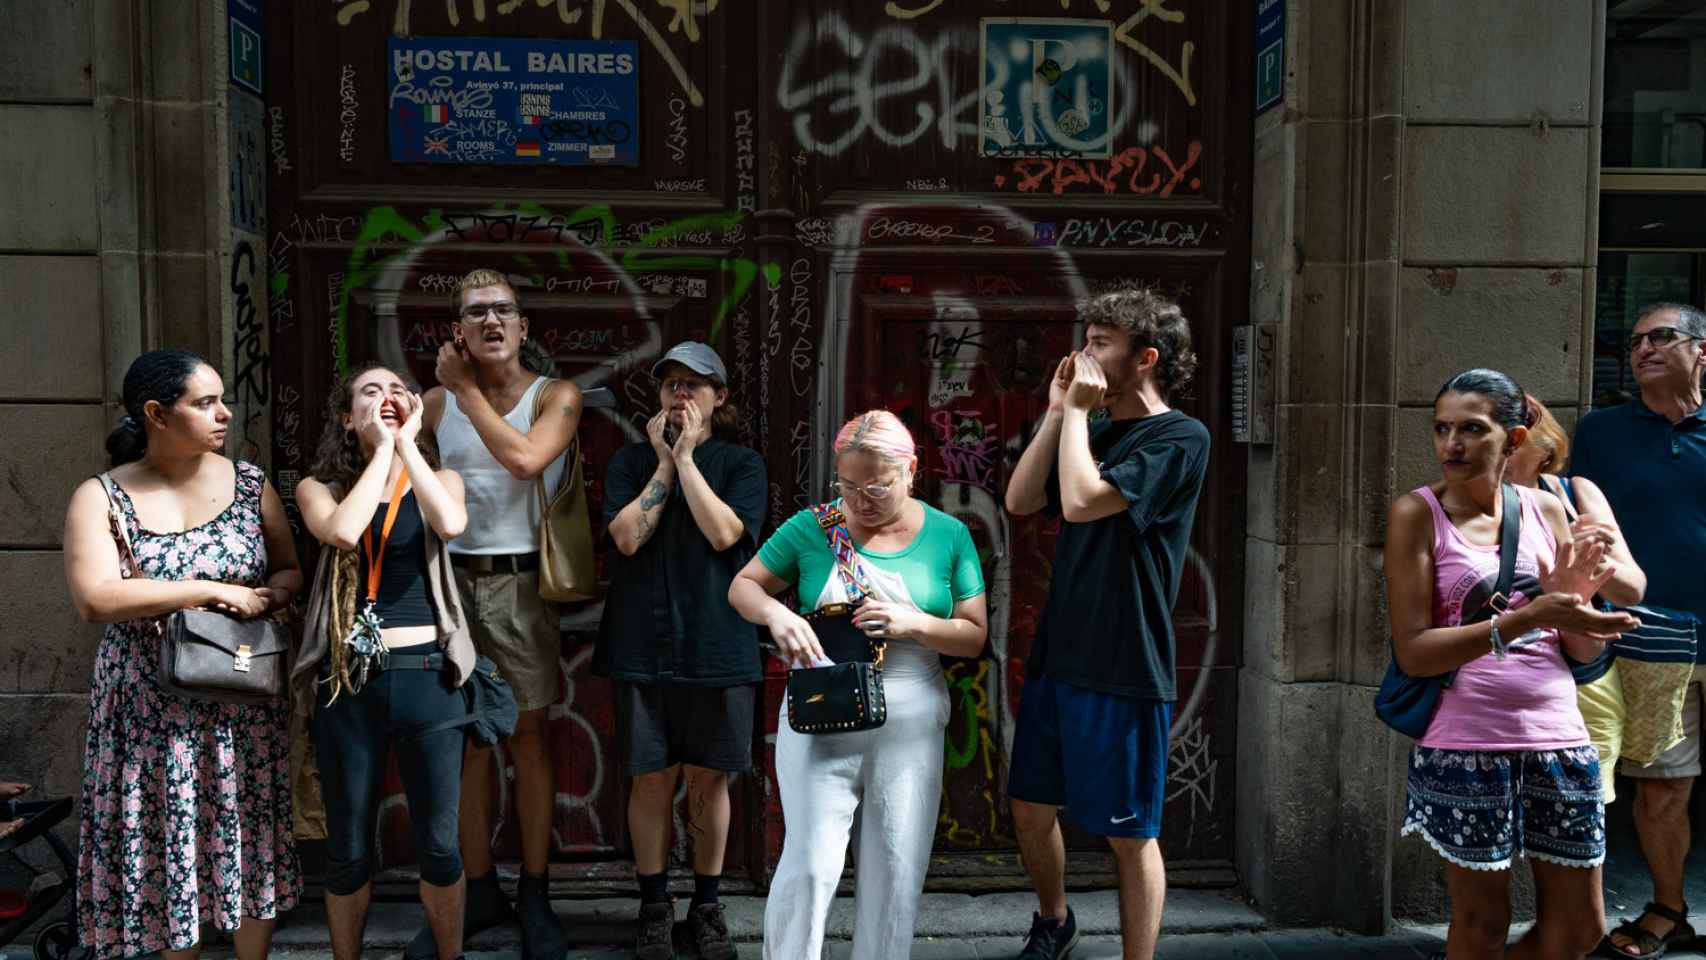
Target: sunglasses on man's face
[(1659, 337)]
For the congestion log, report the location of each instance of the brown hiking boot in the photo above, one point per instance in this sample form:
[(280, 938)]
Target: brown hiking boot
[(710, 929), (656, 926)]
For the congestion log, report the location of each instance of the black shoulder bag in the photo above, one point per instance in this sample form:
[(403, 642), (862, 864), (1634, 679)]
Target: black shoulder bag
[(848, 695)]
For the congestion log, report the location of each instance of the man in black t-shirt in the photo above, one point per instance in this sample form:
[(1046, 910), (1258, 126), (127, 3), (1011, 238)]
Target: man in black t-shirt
[(684, 509), (1099, 689)]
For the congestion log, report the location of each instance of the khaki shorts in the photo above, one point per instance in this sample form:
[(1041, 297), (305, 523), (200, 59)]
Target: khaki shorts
[(1682, 760), (518, 630)]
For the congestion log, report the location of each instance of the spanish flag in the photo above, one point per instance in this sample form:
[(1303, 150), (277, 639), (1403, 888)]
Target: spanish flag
[(437, 113), (527, 148)]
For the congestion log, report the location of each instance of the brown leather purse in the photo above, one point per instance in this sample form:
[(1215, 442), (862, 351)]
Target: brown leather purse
[(566, 568), (205, 655)]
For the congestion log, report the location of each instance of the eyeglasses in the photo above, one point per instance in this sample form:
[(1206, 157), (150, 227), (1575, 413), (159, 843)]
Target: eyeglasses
[(688, 385), (870, 491), (1659, 337), (475, 312)]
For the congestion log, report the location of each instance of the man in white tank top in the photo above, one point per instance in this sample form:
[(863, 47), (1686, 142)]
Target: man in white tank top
[(481, 414)]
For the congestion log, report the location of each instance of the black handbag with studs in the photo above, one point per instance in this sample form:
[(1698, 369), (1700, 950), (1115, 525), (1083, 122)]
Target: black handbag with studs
[(846, 696)]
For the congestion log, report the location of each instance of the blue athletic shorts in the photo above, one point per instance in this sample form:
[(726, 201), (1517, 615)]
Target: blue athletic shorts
[(1103, 756)]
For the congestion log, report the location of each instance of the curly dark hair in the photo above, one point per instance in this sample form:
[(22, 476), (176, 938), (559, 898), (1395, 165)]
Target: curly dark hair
[(338, 460), (1150, 320)]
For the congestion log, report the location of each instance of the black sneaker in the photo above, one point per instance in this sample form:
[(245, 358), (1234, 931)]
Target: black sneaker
[(657, 924), (710, 931), (1050, 939)]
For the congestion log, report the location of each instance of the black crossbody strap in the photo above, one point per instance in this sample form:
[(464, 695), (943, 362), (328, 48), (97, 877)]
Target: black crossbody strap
[(1510, 537)]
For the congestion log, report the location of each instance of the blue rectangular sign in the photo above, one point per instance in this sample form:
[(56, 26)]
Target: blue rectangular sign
[(1048, 88), (1270, 53), (245, 49), (479, 100)]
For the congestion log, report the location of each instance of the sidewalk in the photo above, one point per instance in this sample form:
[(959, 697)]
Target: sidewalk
[(1198, 925)]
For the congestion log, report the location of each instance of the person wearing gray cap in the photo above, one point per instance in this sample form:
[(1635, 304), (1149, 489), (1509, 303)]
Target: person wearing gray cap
[(684, 509)]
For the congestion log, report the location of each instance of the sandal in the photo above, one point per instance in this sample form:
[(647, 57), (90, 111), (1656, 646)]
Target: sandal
[(1649, 943)]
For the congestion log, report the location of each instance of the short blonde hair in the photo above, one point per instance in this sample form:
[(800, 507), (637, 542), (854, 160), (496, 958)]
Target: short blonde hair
[(1544, 429), (479, 278)]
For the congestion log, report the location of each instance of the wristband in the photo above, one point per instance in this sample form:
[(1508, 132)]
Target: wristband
[(1498, 642)]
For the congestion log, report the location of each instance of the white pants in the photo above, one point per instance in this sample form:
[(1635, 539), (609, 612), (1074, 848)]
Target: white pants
[(885, 785)]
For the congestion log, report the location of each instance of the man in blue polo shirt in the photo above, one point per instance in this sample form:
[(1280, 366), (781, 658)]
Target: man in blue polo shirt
[(1649, 456)]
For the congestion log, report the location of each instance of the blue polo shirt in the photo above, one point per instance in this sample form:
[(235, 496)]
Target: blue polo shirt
[(1653, 473)]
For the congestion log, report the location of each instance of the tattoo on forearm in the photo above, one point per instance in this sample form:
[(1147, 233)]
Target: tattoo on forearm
[(654, 495), (643, 526)]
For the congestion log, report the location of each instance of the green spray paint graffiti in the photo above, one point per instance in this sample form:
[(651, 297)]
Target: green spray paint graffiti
[(386, 231)]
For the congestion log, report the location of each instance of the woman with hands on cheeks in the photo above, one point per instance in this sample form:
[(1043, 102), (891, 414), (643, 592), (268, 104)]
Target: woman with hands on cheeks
[(1506, 767), (684, 508), (186, 803), (386, 649), (926, 600)]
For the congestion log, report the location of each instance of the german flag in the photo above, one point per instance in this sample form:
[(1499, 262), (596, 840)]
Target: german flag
[(527, 148)]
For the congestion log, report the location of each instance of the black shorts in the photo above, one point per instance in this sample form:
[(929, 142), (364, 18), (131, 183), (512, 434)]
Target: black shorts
[(660, 725)]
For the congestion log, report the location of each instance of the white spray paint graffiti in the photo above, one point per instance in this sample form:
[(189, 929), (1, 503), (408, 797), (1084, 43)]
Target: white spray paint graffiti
[(571, 805), (831, 67)]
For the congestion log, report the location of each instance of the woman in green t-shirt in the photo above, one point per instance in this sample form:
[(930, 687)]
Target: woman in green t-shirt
[(927, 598)]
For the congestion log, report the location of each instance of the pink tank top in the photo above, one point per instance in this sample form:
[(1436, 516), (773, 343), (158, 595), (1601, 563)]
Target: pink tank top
[(1528, 700)]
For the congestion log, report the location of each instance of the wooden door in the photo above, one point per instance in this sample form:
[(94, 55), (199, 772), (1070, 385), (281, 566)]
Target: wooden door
[(810, 192)]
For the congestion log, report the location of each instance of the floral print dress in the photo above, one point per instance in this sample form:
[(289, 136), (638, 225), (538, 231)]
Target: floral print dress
[(186, 804)]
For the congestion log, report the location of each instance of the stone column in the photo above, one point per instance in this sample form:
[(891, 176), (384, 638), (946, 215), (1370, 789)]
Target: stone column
[(1501, 200), (1424, 202), (104, 252)]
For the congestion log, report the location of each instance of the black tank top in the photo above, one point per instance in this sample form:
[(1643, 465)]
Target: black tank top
[(403, 600)]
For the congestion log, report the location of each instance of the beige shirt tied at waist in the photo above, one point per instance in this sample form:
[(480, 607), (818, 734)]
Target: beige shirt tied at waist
[(454, 637)]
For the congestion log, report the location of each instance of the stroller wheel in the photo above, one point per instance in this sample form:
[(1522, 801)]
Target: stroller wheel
[(57, 942)]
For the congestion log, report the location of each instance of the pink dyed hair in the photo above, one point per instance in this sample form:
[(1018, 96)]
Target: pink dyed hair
[(880, 434)]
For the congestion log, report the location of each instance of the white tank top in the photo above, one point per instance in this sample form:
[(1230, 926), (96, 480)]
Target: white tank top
[(503, 512)]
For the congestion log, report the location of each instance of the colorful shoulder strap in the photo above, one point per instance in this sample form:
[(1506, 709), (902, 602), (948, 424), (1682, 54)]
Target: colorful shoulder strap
[(834, 525)]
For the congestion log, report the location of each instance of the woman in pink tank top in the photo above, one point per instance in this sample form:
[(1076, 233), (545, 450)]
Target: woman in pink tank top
[(1505, 768)]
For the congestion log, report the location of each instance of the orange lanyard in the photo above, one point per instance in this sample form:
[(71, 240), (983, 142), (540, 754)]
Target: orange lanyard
[(377, 560)]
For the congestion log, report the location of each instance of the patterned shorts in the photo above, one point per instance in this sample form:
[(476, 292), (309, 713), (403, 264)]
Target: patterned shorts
[(1478, 809)]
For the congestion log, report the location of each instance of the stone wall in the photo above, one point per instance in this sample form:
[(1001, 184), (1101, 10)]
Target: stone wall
[(1424, 202), (106, 249)]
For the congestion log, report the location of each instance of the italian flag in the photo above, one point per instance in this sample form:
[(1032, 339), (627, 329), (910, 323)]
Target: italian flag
[(527, 148), (531, 120), (437, 113)]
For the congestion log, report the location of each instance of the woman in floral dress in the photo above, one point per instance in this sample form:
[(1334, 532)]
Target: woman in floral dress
[(186, 804)]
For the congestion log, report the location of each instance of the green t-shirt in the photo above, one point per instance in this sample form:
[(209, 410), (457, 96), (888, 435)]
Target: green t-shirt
[(938, 569)]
